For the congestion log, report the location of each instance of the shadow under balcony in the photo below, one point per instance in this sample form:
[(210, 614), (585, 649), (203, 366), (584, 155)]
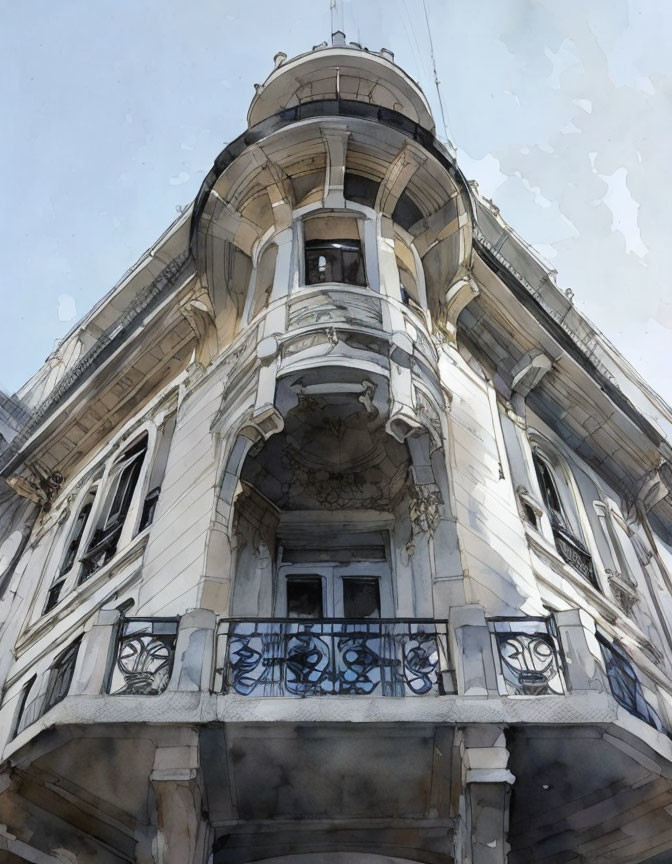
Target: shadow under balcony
[(330, 657)]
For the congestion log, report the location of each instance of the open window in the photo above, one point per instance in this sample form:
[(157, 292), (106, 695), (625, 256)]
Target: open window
[(72, 548), (60, 676), (24, 716), (123, 480), (333, 250), (564, 519)]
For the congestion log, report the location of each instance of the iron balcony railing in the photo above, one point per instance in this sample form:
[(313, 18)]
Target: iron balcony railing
[(143, 657), (335, 656), (574, 553)]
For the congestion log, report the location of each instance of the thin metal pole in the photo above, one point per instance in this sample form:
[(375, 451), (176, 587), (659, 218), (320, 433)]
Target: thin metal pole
[(436, 75)]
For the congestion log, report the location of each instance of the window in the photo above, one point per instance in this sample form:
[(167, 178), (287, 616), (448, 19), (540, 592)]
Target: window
[(60, 676), (570, 546), (334, 576), (549, 493), (23, 717), (625, 685), (361, 598), (72, 549), (304, 597), (123, 480), (77, 532), (333, 251)]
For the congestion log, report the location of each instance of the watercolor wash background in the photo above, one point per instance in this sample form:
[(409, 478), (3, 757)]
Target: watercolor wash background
[(115, 110)]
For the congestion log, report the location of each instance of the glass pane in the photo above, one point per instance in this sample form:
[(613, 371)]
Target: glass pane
[(334, 261), (549, 492), (304, 597), (361, 598), (353, 267)]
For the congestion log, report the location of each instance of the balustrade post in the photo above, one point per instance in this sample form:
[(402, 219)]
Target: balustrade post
[(576, 630), (194, 651), (486, 797), (93, 657), (181, 832), (474, 663)]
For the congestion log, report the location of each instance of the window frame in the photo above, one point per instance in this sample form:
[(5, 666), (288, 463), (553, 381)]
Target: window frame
[(362, 216)]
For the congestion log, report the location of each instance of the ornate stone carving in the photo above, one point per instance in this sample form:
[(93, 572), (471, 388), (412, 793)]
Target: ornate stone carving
[(429, 416), (39, 488), (424, 508), (199, 312), (624, 592)]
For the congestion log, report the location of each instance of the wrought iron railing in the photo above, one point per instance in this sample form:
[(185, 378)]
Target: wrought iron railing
[(574, 553), (36, 702), (326, 657), (625, 684), (144, 656), (529, 656)]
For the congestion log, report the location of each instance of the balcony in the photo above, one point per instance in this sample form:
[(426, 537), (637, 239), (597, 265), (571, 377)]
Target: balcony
[(574, 553), (374, 657)]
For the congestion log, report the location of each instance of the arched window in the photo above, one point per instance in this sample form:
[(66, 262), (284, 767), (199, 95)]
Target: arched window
[(563, 515), (333, 250), (549, 492)]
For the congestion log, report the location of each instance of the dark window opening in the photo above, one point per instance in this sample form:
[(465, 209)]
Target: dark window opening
[(149, 508), (60, 676), (24, 718), (304, 597), (53, 596), (334, 261), (406, 213), (550, 494), (361, 598), (76, 539), (103, 544), (530, 515), (362, 190)]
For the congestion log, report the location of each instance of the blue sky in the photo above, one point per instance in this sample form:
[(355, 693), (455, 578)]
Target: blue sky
[(115, 109)]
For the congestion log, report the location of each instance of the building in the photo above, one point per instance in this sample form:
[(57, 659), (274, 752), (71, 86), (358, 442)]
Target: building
[(334, 533)]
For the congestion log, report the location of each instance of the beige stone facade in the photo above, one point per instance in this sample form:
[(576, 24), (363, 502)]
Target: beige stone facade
[(334, 533)]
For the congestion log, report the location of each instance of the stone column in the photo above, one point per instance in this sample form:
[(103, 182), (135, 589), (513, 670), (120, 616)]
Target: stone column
[(95, 655), (487, 785), (576, 630), (192, 669), (472, 650), (181, 832)]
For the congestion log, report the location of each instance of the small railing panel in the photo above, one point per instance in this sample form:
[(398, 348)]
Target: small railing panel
[(290, 657), (144, 656), (529, 656), (574, 554)]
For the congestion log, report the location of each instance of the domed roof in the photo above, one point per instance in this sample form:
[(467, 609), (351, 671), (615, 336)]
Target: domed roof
[(340, 71)]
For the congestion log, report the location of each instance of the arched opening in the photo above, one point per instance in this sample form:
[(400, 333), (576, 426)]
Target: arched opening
[(333, 563), (263, 284), (562, 510), (333, 250)]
